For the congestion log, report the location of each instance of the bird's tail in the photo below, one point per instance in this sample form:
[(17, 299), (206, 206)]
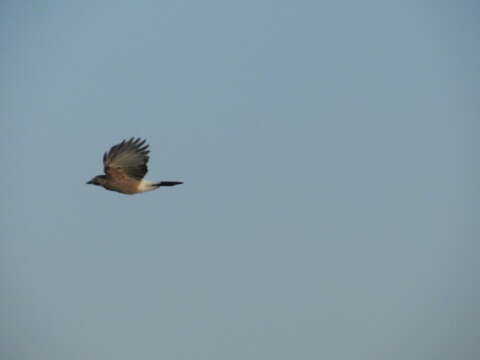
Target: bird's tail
[(167, 183), (146, 185)]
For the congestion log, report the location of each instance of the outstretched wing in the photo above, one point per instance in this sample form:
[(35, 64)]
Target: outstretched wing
[(129, 158)]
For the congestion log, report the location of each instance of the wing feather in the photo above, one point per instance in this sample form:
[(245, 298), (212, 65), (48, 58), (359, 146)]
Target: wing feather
[(129, 156)]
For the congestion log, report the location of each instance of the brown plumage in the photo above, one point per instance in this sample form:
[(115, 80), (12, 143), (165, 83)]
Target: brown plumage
[(125, 165)]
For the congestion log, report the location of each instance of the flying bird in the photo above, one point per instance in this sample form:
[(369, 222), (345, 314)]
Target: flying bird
[(125, 165)]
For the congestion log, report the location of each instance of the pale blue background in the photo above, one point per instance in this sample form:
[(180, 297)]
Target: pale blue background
[(327, 149)]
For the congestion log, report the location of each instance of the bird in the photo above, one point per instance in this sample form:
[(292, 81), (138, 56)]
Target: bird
[(125, 166)]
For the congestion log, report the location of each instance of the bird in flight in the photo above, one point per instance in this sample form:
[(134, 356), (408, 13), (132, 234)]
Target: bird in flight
[(125, 165)]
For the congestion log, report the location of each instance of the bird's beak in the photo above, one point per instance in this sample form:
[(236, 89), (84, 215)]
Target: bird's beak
[(90, 182)]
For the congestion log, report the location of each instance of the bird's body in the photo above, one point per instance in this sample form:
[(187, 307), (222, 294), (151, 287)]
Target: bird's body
[(125, 165)]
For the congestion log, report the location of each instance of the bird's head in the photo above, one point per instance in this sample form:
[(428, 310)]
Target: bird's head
[(97, 180)]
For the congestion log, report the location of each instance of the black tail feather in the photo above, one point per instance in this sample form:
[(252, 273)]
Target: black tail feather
[(167, 183)]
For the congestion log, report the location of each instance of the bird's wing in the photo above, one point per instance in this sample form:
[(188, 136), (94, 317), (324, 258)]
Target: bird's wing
[(129, 158)]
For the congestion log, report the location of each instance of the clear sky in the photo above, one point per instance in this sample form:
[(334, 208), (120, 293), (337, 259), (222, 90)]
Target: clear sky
[(327, 151)]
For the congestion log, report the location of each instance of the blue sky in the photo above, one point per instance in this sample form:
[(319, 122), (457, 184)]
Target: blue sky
[(327, 151)]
